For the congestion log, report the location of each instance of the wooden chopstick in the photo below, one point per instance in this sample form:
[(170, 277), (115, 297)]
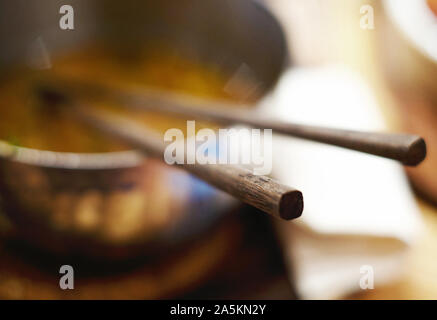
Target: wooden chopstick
[(261, 192), (409, 149)]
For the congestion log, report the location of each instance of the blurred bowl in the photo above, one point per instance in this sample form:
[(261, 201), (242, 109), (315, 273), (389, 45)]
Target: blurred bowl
[(408, 46), (118, 204)]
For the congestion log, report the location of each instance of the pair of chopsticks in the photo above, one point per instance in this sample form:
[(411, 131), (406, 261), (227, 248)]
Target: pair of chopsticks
[(262, 192), (408, 149)]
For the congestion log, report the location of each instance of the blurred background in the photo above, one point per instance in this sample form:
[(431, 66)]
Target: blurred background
[(397, 60), (133, 228)]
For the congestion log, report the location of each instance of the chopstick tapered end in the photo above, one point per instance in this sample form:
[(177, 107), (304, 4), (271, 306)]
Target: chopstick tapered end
[(416, 152), (291, 205)]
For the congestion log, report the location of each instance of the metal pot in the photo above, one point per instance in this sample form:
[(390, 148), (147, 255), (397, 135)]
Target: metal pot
[(117, 204)]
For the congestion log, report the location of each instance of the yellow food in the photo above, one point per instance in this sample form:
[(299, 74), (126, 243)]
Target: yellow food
[(25, 122)]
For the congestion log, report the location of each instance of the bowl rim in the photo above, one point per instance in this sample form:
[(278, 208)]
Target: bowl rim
[(70, 160), (120, 159)]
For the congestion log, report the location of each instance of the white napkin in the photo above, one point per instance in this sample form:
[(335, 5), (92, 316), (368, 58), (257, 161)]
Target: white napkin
[(360, 215)]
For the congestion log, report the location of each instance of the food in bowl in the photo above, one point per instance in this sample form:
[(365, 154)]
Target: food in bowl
[(27, 122)]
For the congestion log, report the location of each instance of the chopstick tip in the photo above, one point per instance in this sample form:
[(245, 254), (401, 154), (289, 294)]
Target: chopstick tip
[(416, 152), (291, 205)]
